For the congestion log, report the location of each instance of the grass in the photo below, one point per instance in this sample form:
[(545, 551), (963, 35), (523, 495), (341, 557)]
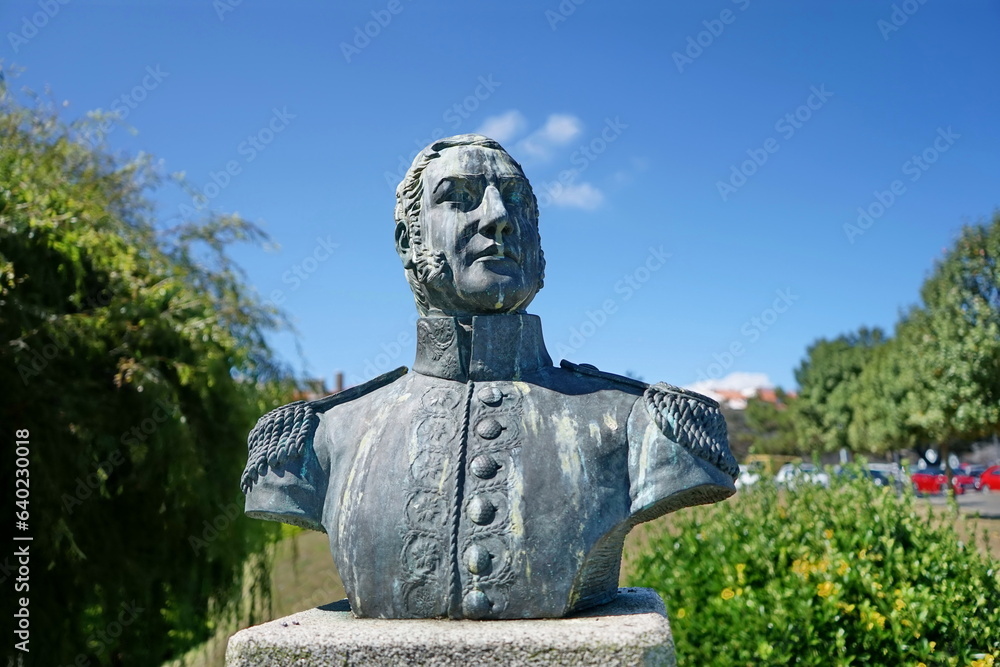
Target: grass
[(303, 577)]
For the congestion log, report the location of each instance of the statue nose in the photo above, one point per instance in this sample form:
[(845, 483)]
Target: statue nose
[(495, 221)]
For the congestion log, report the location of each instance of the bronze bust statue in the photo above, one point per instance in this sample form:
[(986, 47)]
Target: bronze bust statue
[(484, 483)]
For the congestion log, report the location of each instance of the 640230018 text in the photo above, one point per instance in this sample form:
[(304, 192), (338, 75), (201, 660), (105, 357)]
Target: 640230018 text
[(22, 552)]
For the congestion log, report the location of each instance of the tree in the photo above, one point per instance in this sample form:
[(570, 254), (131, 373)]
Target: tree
[(879, 422), (771, 427), (134, 365), (952, 343), (827, 379)]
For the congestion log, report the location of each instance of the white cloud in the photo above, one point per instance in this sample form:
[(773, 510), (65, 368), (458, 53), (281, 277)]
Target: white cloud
[(746, 383), (582, 195), (504, 127), (559, 129)]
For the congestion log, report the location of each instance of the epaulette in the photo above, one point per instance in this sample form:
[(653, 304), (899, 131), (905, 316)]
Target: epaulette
[(283, 433), (693, 421), (591, 370)]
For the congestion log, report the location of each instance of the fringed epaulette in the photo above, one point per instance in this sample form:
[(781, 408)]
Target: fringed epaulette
[(591, 370), (282, 434), (693, 421), (279, 436)]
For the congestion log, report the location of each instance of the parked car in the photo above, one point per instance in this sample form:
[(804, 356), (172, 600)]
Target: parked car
[(747, 477), (975, 472), (963, 479), (989, 481), (878, 477), (792, 473), (933, 480)]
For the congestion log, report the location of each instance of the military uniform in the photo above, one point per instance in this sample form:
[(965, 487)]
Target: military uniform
[(485, 483)]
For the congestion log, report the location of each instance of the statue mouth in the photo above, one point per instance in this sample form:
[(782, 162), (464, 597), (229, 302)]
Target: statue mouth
[(498, 252)]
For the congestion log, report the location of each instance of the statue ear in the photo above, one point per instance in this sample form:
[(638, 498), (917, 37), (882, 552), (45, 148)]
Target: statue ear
[(403, 248)]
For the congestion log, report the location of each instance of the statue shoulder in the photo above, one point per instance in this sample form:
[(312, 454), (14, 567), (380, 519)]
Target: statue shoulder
[(592, 371), (283, 434), (693, 421)]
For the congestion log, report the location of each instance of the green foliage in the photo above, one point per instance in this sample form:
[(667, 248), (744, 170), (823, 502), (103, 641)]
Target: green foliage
[(879, 421), (771, 426), (740, 437), (956, 392), (135, 356), (851, 575), (827, 379)]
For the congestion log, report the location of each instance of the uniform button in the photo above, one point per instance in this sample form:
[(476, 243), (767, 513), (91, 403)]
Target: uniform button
[(481, 510), (491, 396), (478, 559), (484, 466), (489, 428), (475, 604)]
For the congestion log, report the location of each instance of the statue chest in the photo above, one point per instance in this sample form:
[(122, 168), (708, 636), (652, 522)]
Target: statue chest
[(476, 499)]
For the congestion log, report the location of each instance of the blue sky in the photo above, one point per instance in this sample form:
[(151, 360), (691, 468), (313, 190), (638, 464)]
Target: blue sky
[(701, 167)]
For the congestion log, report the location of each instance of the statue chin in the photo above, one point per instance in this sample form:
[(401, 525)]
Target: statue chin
[(480, 291), (494, 298), (479, 304)]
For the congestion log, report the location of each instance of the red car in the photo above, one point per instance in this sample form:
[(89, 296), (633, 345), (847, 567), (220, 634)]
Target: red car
[(990, 479), (933, 480)]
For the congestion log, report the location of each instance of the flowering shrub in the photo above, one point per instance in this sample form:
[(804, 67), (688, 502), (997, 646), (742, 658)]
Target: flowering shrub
[(850, 575)]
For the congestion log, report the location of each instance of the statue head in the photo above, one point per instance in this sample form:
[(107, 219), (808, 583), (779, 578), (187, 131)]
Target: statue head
[(467, 229)]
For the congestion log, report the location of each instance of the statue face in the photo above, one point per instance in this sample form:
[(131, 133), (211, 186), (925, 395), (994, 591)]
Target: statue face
[(476, 213)]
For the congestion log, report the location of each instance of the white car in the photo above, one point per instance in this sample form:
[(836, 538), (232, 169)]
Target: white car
[(746, 477), (791, 474)]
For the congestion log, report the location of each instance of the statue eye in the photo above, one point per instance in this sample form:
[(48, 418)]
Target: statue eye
[(516, 195), (461, 196)]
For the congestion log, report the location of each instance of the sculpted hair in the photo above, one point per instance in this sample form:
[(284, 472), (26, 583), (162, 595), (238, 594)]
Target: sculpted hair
[(409, 195)]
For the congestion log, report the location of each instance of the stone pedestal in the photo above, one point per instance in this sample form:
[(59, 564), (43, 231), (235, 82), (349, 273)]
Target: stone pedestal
[(631, 630)]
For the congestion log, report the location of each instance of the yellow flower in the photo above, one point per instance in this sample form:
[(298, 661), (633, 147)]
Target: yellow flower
[(847, 608), (873, 618), (842, 568), (682, 612), (728, 593), (828, 534), (920, 664), (825, 589), (932, 645), (900, 605)]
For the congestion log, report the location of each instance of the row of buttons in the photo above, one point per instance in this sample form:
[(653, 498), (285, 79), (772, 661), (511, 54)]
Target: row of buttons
[(482, 507)]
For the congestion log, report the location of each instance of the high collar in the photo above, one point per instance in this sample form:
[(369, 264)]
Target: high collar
[(485, 347)]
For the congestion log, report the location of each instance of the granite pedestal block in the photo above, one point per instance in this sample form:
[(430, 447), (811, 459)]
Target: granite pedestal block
[(631, 630)]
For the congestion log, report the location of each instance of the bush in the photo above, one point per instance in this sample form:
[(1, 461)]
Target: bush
[(134, 359), (853, 574)]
